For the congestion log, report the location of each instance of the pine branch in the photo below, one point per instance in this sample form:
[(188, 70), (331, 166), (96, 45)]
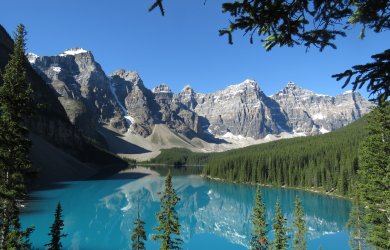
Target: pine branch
[(375, 76), (160, 5)]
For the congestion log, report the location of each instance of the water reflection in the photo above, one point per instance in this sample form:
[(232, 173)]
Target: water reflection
[(99, 214), (212, 207)]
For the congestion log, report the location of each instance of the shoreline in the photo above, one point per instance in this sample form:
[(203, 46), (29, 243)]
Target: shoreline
[(311, 190)]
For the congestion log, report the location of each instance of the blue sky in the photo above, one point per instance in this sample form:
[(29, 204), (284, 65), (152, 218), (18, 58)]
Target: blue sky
[(181, 48)]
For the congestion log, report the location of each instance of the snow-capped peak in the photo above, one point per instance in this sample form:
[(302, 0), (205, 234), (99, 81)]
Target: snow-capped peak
[(348, 92), (290, 84), (187, 87), (32, 57), (162, 88), (73, 51)]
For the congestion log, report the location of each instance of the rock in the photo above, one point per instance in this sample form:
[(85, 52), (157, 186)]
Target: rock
[(311, 113), (75, 75), (241, 109)]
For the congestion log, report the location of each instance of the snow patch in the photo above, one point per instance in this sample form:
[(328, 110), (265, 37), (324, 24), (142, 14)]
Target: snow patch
[(32, 57), (232, 136), (72, 52), (318, 116), (347, 92), (130, 120), (323, 130), (56, 69)]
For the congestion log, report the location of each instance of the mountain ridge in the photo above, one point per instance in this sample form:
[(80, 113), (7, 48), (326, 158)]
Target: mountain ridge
[(238, 112)]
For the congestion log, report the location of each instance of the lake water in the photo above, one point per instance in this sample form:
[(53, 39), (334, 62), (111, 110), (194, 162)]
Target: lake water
[(99, 214)]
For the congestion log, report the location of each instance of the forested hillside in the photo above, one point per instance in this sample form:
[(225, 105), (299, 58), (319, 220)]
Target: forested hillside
[(181, 157), (327, 162)]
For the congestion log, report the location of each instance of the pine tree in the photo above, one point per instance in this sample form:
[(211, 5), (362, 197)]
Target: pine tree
[(374, 177), (356, 225), (55, 230), (259, 235), (168, 220), (300, 226), (139, 234), (15, 107), (280, 230)]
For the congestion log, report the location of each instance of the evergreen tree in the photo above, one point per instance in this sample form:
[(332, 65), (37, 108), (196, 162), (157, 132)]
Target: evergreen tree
[(300, 226), (280, 229), (55, 230), (168, 220), (15, 107), (139, 234), (259, 235), (356, 225), (374, 177)]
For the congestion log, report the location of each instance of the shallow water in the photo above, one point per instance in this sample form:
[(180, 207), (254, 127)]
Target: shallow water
[(99, 214)]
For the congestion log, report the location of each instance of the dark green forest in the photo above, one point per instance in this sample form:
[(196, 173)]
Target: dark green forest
[(326, 162)]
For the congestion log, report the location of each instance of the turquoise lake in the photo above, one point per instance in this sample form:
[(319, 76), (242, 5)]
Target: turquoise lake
[(99, 214)]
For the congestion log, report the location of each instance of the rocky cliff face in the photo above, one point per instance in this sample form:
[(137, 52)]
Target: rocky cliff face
[(241, 110), (51, 123), (82, 86), (312, 113), (144, 107)]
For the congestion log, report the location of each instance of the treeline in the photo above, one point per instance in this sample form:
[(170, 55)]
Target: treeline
[(327, 162), (180, 157)]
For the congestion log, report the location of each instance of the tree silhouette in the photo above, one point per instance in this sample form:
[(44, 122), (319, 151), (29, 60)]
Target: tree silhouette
[(56, 230)]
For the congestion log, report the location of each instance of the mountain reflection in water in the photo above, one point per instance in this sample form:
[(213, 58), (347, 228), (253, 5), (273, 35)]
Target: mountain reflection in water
[(99, 214)]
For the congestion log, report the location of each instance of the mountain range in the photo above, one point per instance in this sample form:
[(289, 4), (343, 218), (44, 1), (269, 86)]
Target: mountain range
[(121, 102), (83, 110)]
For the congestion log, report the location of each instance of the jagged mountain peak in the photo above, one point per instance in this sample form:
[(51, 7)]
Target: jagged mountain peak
[(293, 89), (74, 51), (187, 89), (162, 88), (245, 87), (31, 57), (128, 75)]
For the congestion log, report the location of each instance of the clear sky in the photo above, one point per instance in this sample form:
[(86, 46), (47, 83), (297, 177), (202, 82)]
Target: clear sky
[(181, 48)]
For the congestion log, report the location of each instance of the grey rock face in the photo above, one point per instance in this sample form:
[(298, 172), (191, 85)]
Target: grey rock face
[(76, 76), (122, 100), (146, 108), (241, 109), (312, 113)]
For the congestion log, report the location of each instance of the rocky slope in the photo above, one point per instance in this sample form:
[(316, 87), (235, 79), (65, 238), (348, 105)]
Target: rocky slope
[(57, 145), (241, 109), (121, 100), (82, 86), (311, 113), (145, 108)]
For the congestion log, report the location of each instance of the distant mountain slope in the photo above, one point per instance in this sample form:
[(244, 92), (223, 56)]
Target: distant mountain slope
[(53, 134), (123, 102)]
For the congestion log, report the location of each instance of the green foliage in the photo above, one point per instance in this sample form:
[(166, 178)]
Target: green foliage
[(15, 108), (375, 76), (374, 177), (259, 236), (280, 229), (139, 236), (180, 157), (357, 225), (326, 162), (168, 219), (55, 230), (300, 226)]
